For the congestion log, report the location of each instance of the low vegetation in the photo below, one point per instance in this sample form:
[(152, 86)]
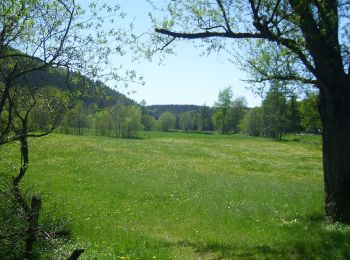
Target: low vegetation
[(180, 195)]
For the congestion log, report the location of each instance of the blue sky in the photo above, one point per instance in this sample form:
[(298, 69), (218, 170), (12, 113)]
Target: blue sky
[(187, 77)]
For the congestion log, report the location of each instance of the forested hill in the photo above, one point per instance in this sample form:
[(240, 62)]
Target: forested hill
[(83, 88), (157, 110)]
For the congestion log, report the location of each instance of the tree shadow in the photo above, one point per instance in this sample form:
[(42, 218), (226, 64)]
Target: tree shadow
[(323, 241)]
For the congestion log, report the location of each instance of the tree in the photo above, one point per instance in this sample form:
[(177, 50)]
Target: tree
[(187, 121), (102, 121), (310, 118), (293, 116), (239, 107), (134, 123), (36, 35), (167, 121), (251, 123), (204, 121), (21, 103), (149, 122), (294, 41), (222, 110), (274, 114), (125, 119), (77, 118)]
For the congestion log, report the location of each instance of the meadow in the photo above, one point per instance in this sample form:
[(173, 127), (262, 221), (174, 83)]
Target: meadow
[(186, 196)]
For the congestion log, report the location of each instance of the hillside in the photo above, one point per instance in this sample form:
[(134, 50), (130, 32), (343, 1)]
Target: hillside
[(91, 92), (157, 110)]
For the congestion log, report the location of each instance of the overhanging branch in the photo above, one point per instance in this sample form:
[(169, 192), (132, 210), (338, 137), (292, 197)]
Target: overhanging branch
[(285, 78), (207, 34)]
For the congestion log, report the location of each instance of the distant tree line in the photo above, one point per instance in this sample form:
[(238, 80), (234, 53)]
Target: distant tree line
[(279, 114), (120, 120)]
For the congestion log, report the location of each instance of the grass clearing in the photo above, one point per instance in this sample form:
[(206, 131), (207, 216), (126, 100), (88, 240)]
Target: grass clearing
[(185, 196)]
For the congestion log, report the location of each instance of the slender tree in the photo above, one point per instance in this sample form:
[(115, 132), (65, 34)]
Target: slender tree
[(293, 116), (239, 108), (167, 121), (252, 122), (36, 35), (222, 110), (205, 115)]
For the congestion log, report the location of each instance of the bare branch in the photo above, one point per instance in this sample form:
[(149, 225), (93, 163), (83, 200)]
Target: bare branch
[(274, 11), (165, 45), (202, 35), (285, 78), (219, 2)]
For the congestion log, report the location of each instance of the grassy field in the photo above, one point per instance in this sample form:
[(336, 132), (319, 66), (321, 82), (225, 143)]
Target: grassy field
[(187, 196)]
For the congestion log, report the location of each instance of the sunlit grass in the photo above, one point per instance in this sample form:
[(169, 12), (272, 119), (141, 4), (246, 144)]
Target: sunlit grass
[(185, 196)]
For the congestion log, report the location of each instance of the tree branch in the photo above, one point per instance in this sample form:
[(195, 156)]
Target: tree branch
[(219, 2), (286, 78), (202, 35), (165, 45)]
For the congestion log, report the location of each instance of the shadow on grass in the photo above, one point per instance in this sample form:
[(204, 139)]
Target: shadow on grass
[(312, 239), (229, 251)]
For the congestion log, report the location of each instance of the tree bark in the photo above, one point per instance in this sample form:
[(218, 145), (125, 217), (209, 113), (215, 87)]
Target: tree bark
[(76, 254), (334, 108), (32, 219)]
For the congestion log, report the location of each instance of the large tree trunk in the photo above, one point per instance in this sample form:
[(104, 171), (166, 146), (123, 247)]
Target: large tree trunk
[(334, 110)]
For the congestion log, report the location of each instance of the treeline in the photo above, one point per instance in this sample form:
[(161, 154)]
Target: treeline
[(76, 117), (79, 86), (279, 114), (76, 105), (157, 110), (125, 121), (120, 120)]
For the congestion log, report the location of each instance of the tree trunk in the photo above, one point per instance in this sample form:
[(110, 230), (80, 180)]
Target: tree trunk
[(335, 116), (32, 231)]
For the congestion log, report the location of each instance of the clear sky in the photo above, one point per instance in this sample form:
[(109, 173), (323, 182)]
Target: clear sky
[(187, 77)]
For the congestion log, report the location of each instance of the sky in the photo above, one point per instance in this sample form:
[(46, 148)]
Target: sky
[(184, 78)]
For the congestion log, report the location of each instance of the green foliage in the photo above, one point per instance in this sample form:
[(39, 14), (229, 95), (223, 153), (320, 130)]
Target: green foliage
[(252, 122), (49, 110), (274, 117), (53, 230), (12, 223), (222, 111), (79, 86), (271, 40), (76, 119), (149, 122), (103, 122), (120, 120), (205, 119), (157, 110), (293, 116), (167, 121), (239, 108), (188, 121), (310, 118), (126, 120)]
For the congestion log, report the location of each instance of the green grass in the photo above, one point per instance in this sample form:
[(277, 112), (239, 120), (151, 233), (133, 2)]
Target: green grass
[(185, 196)]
